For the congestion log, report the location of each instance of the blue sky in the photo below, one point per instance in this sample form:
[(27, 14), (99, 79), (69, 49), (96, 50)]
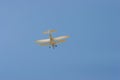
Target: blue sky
[(91, 53)]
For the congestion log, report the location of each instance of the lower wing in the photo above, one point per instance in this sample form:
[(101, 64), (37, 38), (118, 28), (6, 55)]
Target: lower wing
[(44, 42), (60, 39)]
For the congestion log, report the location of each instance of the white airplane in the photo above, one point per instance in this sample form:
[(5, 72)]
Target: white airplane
[(51, 42)]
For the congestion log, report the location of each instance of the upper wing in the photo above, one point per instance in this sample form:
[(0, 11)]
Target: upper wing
[(60, 39), (44, 42)]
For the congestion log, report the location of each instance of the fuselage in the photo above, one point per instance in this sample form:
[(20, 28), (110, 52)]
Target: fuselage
[(52, 42)]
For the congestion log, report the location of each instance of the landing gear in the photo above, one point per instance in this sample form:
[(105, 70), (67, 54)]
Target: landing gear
[(55, 45)]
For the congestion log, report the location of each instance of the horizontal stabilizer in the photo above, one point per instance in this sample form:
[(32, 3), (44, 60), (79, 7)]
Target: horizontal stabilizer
[(49, 31)]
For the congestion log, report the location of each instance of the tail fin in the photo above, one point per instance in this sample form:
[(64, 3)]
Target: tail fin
[(49, 31)]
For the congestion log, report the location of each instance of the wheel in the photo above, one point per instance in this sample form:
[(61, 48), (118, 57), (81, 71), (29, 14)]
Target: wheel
[(55, 45)]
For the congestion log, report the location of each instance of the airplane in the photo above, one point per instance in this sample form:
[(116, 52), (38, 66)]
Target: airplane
[(51, 42)]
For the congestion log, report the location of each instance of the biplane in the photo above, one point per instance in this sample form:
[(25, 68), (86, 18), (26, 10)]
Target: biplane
[(51, 41)]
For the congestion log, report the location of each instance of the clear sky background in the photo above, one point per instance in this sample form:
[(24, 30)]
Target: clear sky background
[(91, 53)]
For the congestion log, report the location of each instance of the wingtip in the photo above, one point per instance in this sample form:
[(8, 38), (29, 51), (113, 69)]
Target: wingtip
[(36, 41), (67, 36)]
